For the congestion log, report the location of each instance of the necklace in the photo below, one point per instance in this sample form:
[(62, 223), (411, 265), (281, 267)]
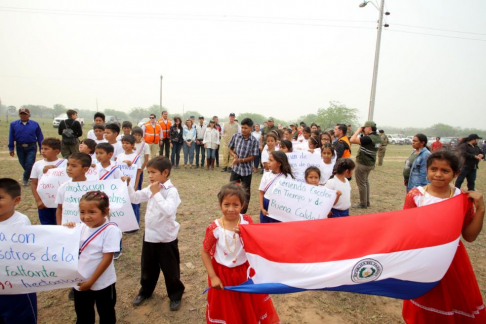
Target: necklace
[(425, 191), (234, 238)]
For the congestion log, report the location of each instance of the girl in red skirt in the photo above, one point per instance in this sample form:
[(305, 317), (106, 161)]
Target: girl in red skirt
[(456, 299), (226, 263)]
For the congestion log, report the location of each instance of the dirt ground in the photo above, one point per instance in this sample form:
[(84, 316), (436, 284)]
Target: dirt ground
[(198, 189)]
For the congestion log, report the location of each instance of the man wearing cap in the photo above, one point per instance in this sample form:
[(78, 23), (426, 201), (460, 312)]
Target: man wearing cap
[(471, 155), (365, 160), (265, 131), (383, 145), (229, 129), (164, 142), (200, 130), (25, 133), (218, 127)]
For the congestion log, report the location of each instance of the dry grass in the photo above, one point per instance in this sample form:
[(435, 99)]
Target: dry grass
[(198, 189)]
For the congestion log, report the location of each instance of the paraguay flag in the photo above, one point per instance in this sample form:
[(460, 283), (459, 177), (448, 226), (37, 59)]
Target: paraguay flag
[(400, 254)]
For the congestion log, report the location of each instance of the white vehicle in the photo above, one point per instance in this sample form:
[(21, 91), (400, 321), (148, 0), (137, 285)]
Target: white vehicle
[(62, 117), (143, 121), (395, 140)]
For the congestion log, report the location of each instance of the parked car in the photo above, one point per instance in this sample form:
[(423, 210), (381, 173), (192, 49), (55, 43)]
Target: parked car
[(58, 119), (406, 140), (395, 139), (143, 121), (112, 120), (449, 143)]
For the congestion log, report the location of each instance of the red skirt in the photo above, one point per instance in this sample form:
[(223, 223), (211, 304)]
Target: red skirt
[(232, 307), (456, 299)]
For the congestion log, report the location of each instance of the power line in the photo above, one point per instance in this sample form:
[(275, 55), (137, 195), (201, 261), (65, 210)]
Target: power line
[(446, 30), (73, 79), (445, 36)]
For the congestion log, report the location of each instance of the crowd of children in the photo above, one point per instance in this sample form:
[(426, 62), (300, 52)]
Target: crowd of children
[(456, 299)]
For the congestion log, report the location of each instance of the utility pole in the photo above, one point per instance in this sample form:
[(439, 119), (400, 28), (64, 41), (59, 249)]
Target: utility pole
[(96, 104), (161, 109)]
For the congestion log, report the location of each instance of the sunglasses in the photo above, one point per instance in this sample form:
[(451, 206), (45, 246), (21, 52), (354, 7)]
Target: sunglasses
[(152, 117)]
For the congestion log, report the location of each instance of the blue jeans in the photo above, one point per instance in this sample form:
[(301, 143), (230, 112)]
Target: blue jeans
[(47, 216), (189, 152), (176, 153), (470, 175), (211, 153), (26, 157), (20, 308), (200, 148)]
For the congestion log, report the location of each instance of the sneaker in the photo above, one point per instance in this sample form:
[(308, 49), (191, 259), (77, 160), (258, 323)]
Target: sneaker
[(358, 206), (71, 294), (224, 169), (138, 300), (197, 167), (368, 204), (175, 305), (117, 255), (25, 183)]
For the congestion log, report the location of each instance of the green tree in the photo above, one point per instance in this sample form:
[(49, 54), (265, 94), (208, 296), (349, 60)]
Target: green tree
[(257, 118), (117, 113), (307, 119), (58, 109), (442, 130), (336, 113)]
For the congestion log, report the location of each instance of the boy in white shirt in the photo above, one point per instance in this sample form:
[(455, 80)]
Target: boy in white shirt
[(160, 246), (106, 168), (50, 149), (111, 133), (99, 119), (99, 134), (143, 150), (21, 308)]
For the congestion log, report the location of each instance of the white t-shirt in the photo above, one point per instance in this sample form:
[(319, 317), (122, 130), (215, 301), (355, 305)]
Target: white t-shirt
[(266, 154), (93, 158), (100, 141), (118, 149), (38, 168), (267, 178), (142, 149), (344, 201), (326, 171), (108, 241), (132, 157), (105, 172), (17, 219), (91, 135), (61, 191), (257, 135)]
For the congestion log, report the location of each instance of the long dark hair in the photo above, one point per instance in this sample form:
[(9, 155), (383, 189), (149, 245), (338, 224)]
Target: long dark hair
[(423, 139), (281, 158), (180, 122), (342, 165)]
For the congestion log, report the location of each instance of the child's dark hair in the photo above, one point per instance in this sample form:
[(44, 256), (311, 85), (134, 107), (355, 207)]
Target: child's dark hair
[(232, 189), (98, 126), (287, 144), (451, 158), (71, 112), (307, 129), (128, 138), (99, 197), (11, 187), (137, 130), (281, 158), (315, 140), (316, 133), (342, 165), (52, 142), (272, 135), (84, 158), (91, 144), (279, 133), (247, 121), (99, 114), (113, 127), (328, 146), (128, 124), (161, 163), (107, 147), (326, 134), (312, 169)]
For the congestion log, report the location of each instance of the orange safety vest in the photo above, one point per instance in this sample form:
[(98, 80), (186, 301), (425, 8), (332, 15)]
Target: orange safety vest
[(152, 134), (165, 127), (347, 151)]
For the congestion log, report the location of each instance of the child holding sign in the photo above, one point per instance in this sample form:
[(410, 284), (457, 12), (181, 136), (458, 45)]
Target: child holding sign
[(106, 168), (99, 240), (314, 144), (20, 308), (160, 246), (343, 170), (50, 149), (279, 167), (226, 263), (270, 147)]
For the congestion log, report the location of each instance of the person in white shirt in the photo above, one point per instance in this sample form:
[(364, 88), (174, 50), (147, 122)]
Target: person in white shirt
[(21, 308), (211, 143), (99, 119), (99, 134), (160, 245), (143, 150), (257, 134), (339, 182), (99, 240), (106, 168), (200, 130), (111, 133)]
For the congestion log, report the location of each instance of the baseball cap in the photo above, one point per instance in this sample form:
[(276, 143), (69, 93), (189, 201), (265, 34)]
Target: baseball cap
[(24, 111), (369, 123), (270, 119), (474, 136), (192, 116), (232, 114)]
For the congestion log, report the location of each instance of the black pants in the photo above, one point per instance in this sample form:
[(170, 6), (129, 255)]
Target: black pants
[(470, 175), (105, 300), (165, 146), (246, 182), (165, 257)]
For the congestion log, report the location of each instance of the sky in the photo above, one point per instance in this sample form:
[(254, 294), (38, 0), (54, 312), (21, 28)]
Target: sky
[(278, 58)]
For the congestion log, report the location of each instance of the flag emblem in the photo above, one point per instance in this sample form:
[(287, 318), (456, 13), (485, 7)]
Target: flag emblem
[(366, 270)]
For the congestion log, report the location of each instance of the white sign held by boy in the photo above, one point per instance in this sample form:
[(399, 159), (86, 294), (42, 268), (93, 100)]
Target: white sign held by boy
[(130, 171), (38, 258), (121, 211), (49, 183), (292, 200), (300, 161)]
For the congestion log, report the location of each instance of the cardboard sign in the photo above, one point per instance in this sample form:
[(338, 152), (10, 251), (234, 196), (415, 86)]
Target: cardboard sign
[(38, 258), (121, 211), (292, 200)]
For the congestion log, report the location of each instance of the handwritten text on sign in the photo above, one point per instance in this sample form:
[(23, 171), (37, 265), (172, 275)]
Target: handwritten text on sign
[(38, 258), (121, 211), (300, 161), (291, 200)]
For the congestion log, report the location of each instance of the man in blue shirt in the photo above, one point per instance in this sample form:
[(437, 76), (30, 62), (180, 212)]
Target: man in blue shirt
[(26, 134)]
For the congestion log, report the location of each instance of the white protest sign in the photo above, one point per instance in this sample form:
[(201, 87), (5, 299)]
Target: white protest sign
[(129, 171), (92, 175), (292, 200), (121, 211), (38, 258), (300, 161)]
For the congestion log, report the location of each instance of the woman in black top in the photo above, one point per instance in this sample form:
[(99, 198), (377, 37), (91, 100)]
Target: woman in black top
[(176, 141)]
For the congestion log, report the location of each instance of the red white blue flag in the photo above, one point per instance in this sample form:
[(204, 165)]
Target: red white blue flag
[(400, 254)]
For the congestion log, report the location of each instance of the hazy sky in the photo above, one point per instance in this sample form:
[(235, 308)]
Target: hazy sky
[(281, 58)]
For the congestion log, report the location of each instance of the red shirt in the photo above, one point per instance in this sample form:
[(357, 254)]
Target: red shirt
[(436, 146)]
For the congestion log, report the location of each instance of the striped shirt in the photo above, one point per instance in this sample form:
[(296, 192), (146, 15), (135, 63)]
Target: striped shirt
[(243, 148)]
